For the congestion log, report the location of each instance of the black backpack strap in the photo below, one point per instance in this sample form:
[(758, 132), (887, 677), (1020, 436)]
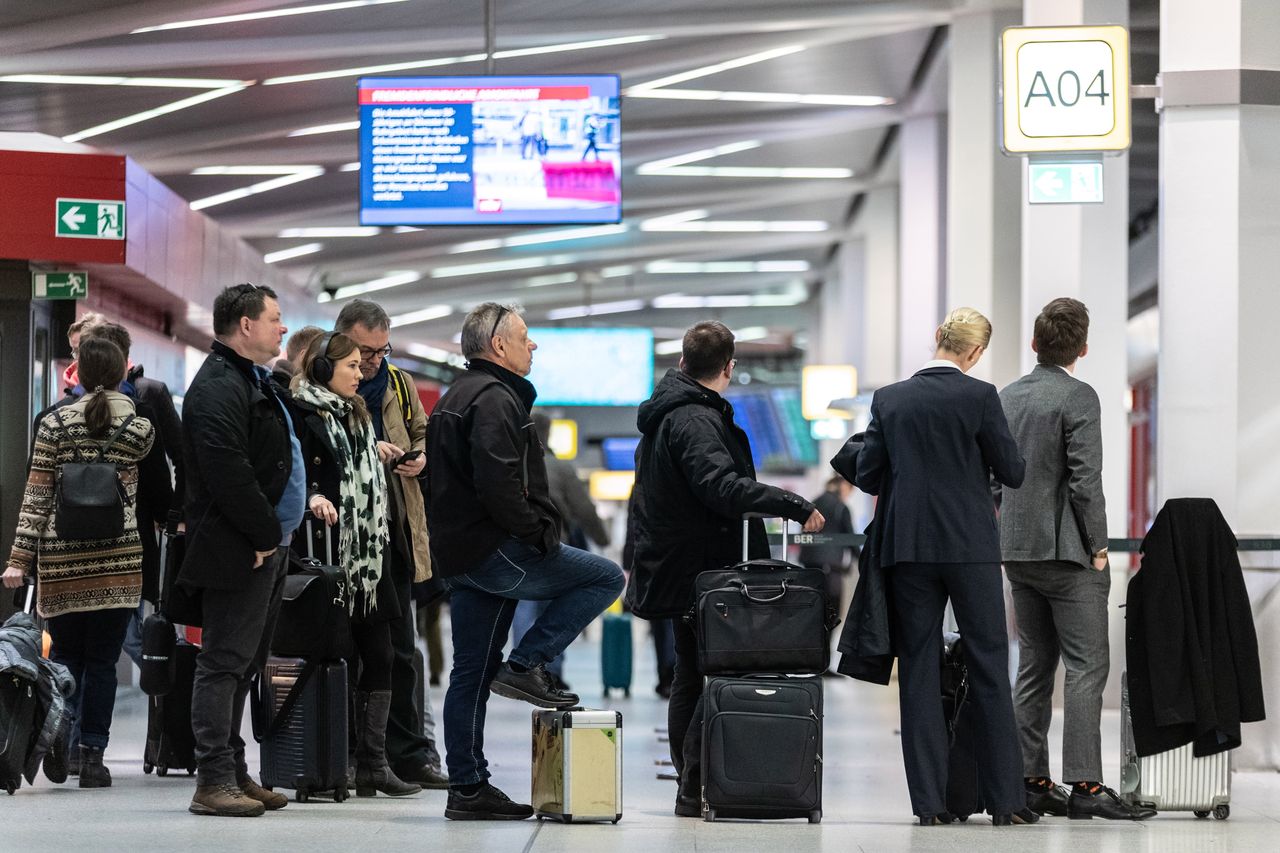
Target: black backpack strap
[(75, 445), (102, 451)]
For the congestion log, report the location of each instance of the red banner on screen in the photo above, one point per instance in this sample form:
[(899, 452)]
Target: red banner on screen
[(472, 94), (590, 181)]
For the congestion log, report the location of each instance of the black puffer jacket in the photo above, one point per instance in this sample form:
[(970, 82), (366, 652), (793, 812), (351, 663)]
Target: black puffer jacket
[(486, 479), (238, 454), (694, 482)]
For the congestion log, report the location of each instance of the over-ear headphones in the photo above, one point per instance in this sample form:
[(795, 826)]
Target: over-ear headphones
[(321, 370)]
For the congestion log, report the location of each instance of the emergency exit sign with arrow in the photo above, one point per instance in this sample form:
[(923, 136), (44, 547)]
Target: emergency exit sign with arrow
[(60, 285), (90, 218)]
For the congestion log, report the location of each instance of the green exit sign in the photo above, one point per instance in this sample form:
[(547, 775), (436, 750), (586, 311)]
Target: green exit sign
[(59, 285), (1064, 183), (89, 218)]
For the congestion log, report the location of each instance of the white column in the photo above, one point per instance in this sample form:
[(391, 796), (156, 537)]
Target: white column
[(923, 235), (878, 225), (1219, 391), (983, 186)]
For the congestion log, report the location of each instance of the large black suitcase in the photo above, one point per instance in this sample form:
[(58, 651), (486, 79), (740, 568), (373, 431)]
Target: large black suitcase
[(763, 616), (170, 741), (313, 621), (762, 748), (301, 722), (17, 720)]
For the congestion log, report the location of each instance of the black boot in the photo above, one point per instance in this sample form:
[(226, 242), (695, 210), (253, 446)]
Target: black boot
[(373, 774), (93, 773)]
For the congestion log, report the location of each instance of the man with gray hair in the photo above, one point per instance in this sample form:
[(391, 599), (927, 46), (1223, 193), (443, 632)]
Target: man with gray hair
[(496, 538), (400, 425)]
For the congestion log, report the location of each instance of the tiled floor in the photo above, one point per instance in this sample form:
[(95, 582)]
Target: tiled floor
[(865, 806)]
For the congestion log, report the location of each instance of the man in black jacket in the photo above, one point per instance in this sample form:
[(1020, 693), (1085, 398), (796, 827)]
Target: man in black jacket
[(246, 487), (495, 537), (694, 483)]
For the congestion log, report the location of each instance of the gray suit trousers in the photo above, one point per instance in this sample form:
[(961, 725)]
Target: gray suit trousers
[(1061, 610)]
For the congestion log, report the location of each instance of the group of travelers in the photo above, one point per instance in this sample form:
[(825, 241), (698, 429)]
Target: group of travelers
[(274, 456)]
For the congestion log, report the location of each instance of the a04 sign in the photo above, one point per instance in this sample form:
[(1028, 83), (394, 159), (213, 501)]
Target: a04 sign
[(1065, 89)]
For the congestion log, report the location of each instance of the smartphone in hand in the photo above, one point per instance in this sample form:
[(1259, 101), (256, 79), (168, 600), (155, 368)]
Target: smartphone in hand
[(408, 457)]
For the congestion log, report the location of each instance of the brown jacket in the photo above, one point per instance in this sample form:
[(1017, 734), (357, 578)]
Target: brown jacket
[(406, 494)]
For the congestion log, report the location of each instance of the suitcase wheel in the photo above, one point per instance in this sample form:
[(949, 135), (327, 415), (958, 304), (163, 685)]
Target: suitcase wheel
[(1222, 812), (340, 795), (147, 767), (10, 788), (709, 815), (815, 816), (626, 691), (962, 818), (300, 796), (1201, 814), (191, 770), (162, 770)]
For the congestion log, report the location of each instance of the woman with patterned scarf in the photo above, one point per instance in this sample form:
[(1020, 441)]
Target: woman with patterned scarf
[(347, 490)]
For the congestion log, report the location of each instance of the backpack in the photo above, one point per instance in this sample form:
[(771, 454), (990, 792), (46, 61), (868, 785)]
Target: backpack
[(88, 497), (402, 392)]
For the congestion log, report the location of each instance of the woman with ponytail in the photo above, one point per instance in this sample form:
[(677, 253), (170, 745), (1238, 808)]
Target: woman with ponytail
[(88, 588), (934, 444), (347, 491)]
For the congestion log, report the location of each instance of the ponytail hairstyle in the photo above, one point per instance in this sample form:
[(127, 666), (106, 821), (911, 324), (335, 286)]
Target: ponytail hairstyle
[(964, 329), (101, 367)]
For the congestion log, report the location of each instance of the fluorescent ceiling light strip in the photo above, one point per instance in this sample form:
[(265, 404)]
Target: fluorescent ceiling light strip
[(675, 347), (334, 231), (391, 279), (255, 189), (577, 45), (501, 266), (251, 170), (763, 97), (350, 167), (91, 80), (698, 267), (563, 234), (751, 333), (335, 127), (618, 271), (555, 278), (422, 315), (258, 16), (707, 70), (295, 252), (620, 307), (787, 172), (654, 166), (737, 226), (147, 115)]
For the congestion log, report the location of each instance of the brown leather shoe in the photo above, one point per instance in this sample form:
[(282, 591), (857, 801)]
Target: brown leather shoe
[(271, 800), (224, 801)]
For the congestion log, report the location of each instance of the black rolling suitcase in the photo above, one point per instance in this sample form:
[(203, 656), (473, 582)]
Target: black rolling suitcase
[(170, 742), (762, 748), (300, 720), (17, 721)]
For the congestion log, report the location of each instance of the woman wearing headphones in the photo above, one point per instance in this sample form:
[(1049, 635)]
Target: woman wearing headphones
[(347, 489)]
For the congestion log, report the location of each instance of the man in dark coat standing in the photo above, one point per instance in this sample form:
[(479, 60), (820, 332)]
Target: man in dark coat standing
[(694, 483)]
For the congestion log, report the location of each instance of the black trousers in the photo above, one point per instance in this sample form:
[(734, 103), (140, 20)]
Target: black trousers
[(684, 717), (976, 591), (408, 749)]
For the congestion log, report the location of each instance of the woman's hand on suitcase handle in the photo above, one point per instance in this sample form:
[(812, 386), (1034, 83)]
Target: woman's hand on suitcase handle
[(323, 509), (815, 522), (14, 577)]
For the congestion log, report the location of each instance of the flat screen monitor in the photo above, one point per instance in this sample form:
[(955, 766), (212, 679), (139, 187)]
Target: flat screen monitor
[(517, 150), (779, 434), (619, 453), (592, 367)]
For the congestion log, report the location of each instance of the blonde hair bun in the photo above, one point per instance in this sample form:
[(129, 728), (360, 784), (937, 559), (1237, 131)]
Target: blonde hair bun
[(962, 330)]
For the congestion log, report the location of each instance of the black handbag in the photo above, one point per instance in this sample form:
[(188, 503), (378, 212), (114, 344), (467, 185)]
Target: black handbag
[(159, 638), (763, 616), (314, 622), (89, 499)]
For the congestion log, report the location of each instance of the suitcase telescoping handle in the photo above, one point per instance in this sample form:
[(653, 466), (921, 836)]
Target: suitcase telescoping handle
[(311, 538), (746, 534), (30, 583)]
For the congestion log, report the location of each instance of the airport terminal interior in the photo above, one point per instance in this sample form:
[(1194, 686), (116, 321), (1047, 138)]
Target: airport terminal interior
[(827, 178)]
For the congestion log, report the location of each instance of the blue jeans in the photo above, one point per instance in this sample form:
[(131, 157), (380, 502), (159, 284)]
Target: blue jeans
[(527, 612), (578, 584)]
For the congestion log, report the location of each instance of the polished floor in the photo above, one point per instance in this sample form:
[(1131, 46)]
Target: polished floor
[(866, 807)]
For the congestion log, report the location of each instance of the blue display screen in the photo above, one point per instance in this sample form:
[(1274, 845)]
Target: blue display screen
[(490, 150), (775, 425), (592, 367), (620, 453)]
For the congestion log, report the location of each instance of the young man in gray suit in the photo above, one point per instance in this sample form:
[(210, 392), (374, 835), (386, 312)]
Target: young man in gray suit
[(1053, 535)]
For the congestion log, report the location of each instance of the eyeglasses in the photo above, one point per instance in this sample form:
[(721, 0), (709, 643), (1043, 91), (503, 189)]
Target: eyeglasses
[(502, 312), (367, 353)]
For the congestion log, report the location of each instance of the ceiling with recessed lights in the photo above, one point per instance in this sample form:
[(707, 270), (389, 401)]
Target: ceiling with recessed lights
[(749, 129)]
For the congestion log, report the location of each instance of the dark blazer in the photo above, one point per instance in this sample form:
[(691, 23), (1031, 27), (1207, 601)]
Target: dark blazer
[(935, 440), (694, 482), (156, 395), (239, 456), (1059, 512), (1194, 673)]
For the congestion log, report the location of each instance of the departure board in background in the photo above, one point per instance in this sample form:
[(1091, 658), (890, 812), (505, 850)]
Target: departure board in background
[(490, 150)]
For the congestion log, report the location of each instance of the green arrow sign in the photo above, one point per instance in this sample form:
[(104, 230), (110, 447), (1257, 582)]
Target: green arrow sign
[(60, 285), (90, 218), (1064, 183)]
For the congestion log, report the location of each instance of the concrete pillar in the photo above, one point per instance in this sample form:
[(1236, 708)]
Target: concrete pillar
[(923, 239), (878, 224), (983, 186), (1219, 393)]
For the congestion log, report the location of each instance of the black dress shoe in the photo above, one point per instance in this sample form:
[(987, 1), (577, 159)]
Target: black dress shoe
[(1047, 799), (426, 775), (1021, 816), (939, 819), (1101, 801), (486, 804), (534, 686)]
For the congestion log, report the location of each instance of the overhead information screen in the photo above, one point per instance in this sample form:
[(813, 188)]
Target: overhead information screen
[(490, 150)]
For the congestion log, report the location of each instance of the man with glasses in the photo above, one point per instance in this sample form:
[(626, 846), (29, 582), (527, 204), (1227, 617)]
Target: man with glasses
[(400, 425), (694, 482), (496, 535), (245, 489)]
